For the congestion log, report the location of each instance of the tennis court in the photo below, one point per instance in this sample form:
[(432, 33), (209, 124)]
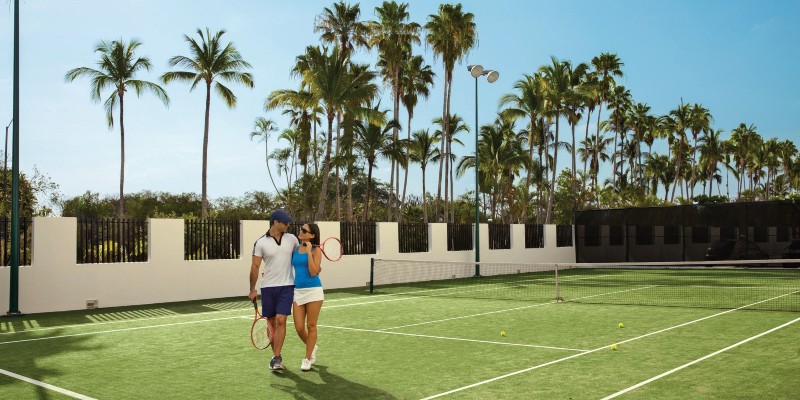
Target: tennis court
[(694, 333)]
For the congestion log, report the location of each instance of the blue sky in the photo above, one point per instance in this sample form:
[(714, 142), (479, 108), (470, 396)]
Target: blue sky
[(737, 58)]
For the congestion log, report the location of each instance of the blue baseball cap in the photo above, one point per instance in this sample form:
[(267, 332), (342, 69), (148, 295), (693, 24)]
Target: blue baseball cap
[(280, 216)]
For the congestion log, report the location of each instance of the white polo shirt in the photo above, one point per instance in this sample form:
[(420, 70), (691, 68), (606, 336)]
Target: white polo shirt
[(276, 255)]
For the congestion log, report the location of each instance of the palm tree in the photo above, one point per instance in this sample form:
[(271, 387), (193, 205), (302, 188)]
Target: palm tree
[(341, 26), (606, 66), (527, 103), (590, 91), (117, 67), (263, 127), (788, 155), (393, 35), (557, 86), (421, 149), (742, 141), (293, 137), (711, 154), (451, 33), (575, 103), (303, 110), (677, 122), (641, 122), (659, 169), (372, 141), (619, 101), (209, 62), (417, 79), (699, 121), (457, 126), (338, 85), (593, 150), (503, 156)]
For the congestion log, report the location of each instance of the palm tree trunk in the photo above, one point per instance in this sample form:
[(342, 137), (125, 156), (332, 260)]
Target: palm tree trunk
[(424, 197), (586, 136), (367, 195), (445, 120), (316, 157), (349, 185), (526, 216), (550, 197), (326, 165), (447, 183), (204, 196), (408, 164), (269, 171), (452, 196), (574, 177), (122, 156), (338, 193)]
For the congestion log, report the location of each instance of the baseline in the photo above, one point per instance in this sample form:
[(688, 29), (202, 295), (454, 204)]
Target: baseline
[(642, 383), (604, 347), (46, 385)]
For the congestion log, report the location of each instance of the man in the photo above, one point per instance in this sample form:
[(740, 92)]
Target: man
[(275, 249)]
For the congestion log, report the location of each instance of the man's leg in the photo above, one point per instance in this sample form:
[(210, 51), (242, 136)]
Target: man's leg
[(283, 308), (280, 334)]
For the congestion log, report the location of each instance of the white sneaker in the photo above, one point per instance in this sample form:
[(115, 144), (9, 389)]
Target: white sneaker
[(305, 365), (314, 355)]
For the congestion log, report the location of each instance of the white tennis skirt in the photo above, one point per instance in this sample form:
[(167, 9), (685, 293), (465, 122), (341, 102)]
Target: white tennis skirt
[(308, 295)]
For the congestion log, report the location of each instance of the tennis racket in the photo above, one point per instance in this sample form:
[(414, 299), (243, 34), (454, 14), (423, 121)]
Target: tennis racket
[(331, 249), (261, 331)]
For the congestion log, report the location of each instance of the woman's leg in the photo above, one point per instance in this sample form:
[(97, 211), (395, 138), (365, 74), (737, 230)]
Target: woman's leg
[(299, 314), (312, 309)]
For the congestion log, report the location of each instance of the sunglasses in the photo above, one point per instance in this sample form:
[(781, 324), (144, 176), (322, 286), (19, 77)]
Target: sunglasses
[(304, 230)]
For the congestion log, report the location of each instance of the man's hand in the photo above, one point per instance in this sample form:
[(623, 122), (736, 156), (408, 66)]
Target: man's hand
[(253, 294)]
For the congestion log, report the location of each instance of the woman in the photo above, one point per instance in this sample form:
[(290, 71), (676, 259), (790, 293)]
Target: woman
[(308, 294)]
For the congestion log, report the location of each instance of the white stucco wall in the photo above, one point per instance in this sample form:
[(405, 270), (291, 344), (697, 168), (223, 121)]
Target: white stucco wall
[(55, 282)]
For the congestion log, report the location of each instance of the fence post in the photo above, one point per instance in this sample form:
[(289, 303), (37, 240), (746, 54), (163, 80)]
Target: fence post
[(371, 274)]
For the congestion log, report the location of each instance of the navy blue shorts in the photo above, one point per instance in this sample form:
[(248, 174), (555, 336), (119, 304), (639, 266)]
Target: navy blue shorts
[(277, 300)]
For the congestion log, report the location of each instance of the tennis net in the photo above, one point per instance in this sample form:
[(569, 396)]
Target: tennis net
[(757, 285)]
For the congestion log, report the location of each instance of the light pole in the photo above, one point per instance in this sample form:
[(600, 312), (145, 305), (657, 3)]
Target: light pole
[(5, 163), (491, 76)]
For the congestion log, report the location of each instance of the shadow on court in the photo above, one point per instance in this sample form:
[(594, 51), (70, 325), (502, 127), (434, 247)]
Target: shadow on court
[(38, 360), (332, 387)]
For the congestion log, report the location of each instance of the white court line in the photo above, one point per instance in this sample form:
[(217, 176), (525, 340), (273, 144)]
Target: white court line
[(482, 284), (451, 338), (640, 384), (508, 309), (46, 385), (89, 324), (247, 308), (600, 348), (118, 330)]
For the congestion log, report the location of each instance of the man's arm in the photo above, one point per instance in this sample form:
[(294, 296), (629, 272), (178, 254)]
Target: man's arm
[(255, 265)]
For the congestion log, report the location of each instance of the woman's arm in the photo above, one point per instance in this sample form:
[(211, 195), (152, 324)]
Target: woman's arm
[(314, 260)]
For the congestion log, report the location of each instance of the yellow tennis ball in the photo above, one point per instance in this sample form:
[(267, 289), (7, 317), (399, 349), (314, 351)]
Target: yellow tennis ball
[(502, 333), (621, 325), (613, 347)]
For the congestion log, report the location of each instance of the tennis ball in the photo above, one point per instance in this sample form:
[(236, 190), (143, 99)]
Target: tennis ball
[(613, 347), (621, 325), (502, 333)]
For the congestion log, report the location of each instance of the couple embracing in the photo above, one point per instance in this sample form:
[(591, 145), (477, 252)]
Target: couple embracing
[(290, 284)]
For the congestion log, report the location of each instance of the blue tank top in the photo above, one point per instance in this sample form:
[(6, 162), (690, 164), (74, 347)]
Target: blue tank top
[(302, 276)]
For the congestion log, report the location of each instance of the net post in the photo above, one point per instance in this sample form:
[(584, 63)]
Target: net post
[(556, 279), (371, 274)]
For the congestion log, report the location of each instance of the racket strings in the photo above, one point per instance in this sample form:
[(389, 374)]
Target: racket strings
[(332, 249), (261, 333)]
